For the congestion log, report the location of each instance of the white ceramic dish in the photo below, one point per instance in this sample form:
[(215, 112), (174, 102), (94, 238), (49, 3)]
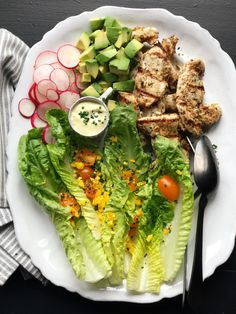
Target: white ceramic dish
[(34, 230)]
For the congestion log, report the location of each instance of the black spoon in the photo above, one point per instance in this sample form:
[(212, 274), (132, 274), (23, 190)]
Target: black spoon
[(206, 176)]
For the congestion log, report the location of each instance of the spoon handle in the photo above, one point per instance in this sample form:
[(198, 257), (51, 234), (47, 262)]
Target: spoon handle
[(195, 293)]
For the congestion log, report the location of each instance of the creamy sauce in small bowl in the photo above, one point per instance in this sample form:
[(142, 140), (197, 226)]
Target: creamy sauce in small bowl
[(89, 116)]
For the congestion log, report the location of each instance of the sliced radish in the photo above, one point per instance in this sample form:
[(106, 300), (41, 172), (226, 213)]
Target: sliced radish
[(52, 94), (47, 136), (73, 87), (68, 98), (45, 106), (39, 97), (26, 107), (45, 57), (32, 95), (36, 122), (69, 56), (69, 72), (81, 86), (44, 85), (42, 72), (60, 78)]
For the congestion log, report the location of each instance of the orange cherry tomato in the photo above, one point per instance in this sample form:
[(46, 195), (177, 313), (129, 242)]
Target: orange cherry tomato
[(133, 183), (86, 173), (169, 188), (87, 157), (89, 189)]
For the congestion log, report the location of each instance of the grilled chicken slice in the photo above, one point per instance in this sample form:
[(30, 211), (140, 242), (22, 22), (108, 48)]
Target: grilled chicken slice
[(146, 34), (169, 103), (189, 96), (209, 114), (164, 124), (169, 45), (150, 85), (194, 115)]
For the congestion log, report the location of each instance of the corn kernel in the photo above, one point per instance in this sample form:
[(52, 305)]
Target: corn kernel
[(132, 160), (149, 238), (114, 139), (179, 172), (166, 231)]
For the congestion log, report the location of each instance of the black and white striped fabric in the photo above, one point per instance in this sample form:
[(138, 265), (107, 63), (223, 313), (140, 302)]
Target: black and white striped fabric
[(12, 55)]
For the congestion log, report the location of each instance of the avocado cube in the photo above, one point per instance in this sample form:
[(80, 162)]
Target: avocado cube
[(90, 91), (112, 34), (109, 21), (83, 42), (82, 67), (111, 104), (125, 86), (104, 85), (97, 87), (97, 23), (121, 53), (92, 67), (119, 66), (110, 77), (105, 55), (124, 37), (101, 41), (133, 48), (89, 53), (103, 68), (93, 34), (85, 78), (123, 77)]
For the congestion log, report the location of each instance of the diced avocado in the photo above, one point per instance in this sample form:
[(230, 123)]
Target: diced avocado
[(85, 78), (124, 37), (125, 86), (104, 85), (97, 23), (121, 53), (123, 77), (83, 42), (109, 21), (103, 68), (82, 67), (90, 91), (110, 77), (119, 66), (112, 34), (111, 104), (133, 48), (93, 34), (97, 87), (92, 67), (89, 53), (105, 55), (101, 40)]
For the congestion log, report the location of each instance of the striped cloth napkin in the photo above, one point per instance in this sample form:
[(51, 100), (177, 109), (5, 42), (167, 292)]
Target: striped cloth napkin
[(12, 55)]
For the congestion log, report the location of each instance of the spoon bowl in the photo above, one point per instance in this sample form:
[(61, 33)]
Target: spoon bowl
[(205, 168)]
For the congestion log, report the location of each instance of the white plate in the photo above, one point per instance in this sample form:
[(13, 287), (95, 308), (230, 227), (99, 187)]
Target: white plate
[(35, 232)]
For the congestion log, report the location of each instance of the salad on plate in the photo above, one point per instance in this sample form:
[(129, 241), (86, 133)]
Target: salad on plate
[(121, 203)]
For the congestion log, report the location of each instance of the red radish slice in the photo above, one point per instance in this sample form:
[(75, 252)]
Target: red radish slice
[(69, 72), (60, 78), (73, 87), (26, 107), (45, 57), (47, 136), (39, 97), (45, 106), (68, 98), (44, 85), (36, 122), (32, 95), (81, 86), (52, 94), (42, 72), (69, 56)]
